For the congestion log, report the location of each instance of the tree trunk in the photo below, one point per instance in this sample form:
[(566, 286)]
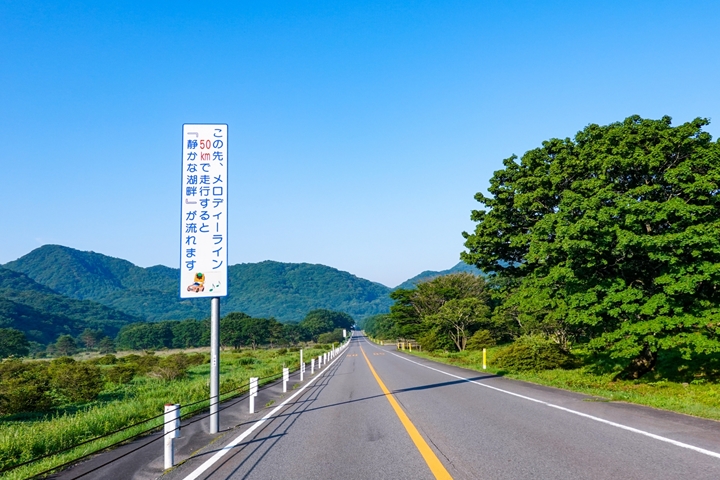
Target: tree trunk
[(639, 365)]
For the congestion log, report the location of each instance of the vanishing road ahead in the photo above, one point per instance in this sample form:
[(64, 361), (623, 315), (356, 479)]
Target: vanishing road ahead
[(439, 421)]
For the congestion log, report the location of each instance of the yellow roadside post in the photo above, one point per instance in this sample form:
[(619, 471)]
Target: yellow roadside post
[(484, 358)]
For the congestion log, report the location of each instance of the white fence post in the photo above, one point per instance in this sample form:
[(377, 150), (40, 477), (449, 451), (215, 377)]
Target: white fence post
[(302, 367), (172, 430), (253, 392), (286, 377)]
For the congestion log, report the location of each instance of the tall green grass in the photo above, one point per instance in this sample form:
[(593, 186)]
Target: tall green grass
[(25, 438)]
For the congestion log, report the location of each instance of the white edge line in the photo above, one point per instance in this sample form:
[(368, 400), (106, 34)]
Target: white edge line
[(575, 412), (209, 462)]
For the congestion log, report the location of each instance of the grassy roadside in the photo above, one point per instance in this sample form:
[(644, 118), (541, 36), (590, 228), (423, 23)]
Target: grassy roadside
[(23, 437), (697, 399)]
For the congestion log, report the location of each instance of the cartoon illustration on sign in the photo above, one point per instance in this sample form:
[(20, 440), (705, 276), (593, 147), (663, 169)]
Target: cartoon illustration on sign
[(199, 284)]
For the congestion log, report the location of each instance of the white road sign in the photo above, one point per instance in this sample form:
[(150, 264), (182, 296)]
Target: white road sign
[(203, 248)]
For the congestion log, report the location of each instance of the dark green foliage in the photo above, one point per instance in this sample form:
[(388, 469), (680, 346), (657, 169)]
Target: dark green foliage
[(120, 374), (190, 333), (336, 336), (141, 336), (13, 343), (293, 333), (610, 237), (534, 352), (432, 340), (321, 321), (481, 339), (238, 329), (106, 345), (231, 330), (65, 345), (451, 305), (44, 314), (174, 367), (75, 381), (106, 360), (380, 326), (143, 363), (24, 387), (288, 291), (91, 338)]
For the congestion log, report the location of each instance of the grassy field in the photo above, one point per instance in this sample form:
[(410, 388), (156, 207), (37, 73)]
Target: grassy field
[(700, 399), (24, 437)]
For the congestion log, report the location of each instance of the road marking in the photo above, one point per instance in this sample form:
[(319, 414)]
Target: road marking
[(376, 353), (209, 462), (436, 467), (575, 412)]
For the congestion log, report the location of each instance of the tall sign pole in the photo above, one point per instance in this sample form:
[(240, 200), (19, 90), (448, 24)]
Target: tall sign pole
[(203, 227)]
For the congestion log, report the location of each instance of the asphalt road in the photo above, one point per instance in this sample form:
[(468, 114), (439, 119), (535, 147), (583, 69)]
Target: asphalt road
[(466, 425)]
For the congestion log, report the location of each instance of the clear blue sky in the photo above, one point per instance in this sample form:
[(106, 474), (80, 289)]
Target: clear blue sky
[(359, 131)]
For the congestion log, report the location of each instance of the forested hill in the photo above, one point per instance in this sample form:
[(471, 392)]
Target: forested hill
[(282, 290), (430, 274), (44, 314)]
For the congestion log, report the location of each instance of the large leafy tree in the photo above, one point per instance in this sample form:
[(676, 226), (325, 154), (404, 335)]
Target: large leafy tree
[(13, 342), (612, 236), (415, 311), (457, 317)]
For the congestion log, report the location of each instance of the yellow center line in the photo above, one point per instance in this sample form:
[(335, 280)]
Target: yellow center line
[(436, 467)]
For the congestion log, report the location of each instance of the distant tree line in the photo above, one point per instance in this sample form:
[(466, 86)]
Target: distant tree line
[(237, 330)]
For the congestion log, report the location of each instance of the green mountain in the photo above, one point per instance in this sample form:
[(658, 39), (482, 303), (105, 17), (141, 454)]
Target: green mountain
[(430, 274), (283, 290), (288, 291), (43, 314)]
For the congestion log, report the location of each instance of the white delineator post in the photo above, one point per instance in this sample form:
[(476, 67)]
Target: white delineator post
[(253, 393), (312, 366), (172, 431), (286, 377), (302, 367)]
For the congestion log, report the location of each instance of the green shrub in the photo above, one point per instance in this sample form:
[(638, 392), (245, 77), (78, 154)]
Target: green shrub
[(480, 339), (533, 352), (145, 363), (432, 341), (76, 381), (281, 351), (247, 361), (331, 337), (120, 374), (174, 367), (106, 360), (197, 359), (24, 387)]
